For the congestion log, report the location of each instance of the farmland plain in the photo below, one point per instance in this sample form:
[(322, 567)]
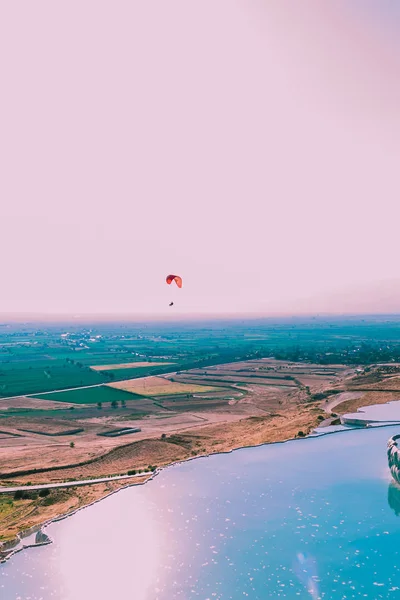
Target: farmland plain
[(233, 384)]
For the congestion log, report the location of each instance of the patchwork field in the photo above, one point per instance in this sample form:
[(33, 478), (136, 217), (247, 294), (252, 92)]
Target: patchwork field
[(152, 406), (159, 386), (215, 379), (267, 372)]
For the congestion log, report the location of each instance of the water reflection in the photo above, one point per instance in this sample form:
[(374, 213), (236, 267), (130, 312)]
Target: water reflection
[(110, 552), (304, 519), (394, 498), (306, 570)]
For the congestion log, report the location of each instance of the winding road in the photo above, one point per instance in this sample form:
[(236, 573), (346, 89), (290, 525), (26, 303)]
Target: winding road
[(66, 484)]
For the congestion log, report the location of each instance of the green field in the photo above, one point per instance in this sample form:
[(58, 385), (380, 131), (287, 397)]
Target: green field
[(94, 395), (45, 357), (40, 376), (32, 377), (23, 373)]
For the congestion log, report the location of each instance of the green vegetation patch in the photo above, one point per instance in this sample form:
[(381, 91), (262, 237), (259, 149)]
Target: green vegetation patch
[(40, 376), (103, 394), (6, 505), (135, 372)]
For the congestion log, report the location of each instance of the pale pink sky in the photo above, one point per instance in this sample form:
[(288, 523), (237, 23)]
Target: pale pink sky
[(251, 146)]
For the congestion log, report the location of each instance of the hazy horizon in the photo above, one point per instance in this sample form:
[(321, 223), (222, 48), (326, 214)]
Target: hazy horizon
[(42, 318), (249, 146)]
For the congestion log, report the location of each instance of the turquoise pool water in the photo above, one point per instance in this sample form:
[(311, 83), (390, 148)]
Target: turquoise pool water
[(312, 518)]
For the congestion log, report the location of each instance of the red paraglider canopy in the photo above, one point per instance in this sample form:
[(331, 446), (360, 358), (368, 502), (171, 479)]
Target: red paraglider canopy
[(176, 278)]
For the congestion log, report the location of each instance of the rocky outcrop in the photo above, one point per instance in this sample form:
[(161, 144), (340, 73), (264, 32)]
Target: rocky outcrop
[(41, 538), (29, 538)]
